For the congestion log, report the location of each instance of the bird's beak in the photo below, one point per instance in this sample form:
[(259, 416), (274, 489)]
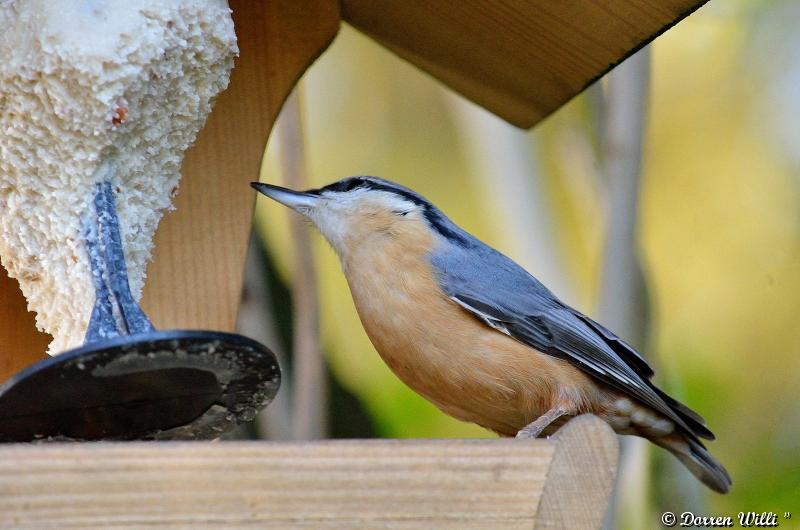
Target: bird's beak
[(299, 201)]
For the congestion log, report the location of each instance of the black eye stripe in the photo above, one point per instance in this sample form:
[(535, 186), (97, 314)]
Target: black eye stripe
[(435, 218), (353, 184), (346, 185), (410, 197)]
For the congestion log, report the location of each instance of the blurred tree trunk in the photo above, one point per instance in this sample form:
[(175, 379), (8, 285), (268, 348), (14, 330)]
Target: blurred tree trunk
[(512, 185), (309, 396), (257, 321), (624, 305)]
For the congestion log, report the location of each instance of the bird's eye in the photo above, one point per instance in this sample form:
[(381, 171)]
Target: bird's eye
[(401, 212)]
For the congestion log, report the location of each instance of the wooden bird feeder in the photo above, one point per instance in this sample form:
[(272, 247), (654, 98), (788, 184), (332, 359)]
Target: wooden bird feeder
[(522, 60)]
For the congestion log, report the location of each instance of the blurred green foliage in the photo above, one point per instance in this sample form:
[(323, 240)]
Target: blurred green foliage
[(720, 234)]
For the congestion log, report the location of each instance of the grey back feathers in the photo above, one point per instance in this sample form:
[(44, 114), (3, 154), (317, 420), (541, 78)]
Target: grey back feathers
[(505, 296), (502, 294)]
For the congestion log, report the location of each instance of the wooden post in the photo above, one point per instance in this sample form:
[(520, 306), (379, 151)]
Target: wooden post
[(581, 476), (562, 482)]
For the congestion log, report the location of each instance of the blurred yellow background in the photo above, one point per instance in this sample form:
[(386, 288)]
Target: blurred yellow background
[(719, 234)]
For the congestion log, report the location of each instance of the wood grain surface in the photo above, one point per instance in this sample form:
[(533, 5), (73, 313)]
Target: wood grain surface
[(400, 484), (521, 59), (20, 344), (578, 489)]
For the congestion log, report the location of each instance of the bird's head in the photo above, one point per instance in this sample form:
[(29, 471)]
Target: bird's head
[(360, 210)]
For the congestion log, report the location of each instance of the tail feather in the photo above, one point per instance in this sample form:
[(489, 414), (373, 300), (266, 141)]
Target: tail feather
[(698, 460), (692, 419)]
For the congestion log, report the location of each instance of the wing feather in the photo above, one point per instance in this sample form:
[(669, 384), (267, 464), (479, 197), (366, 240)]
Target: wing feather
[(565, 335), (508, 299)]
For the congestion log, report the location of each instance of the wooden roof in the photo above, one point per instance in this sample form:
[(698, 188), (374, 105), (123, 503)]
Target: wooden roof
[(521, 59)]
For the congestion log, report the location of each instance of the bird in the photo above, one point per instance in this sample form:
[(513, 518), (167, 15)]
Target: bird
[(473, 332)]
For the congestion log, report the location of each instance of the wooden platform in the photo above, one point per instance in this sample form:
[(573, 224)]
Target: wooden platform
[(562, 482)]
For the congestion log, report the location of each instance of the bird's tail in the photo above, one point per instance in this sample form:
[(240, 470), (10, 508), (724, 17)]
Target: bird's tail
[(698, 460)]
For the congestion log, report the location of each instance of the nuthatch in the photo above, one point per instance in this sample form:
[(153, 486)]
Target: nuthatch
[(477, 335)]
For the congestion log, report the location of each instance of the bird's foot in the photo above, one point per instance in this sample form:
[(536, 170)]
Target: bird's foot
[(535, 428)]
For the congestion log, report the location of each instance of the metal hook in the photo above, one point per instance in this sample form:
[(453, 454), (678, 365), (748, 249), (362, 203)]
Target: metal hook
[(115, 311)]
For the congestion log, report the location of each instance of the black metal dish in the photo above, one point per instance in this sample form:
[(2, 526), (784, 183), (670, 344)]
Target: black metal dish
[(159, 385), (129, 381)]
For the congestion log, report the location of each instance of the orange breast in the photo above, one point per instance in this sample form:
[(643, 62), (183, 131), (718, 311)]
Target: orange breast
[(443, 352)]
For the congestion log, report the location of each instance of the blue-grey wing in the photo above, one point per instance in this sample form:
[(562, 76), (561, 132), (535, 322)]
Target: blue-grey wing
[(506, 297)]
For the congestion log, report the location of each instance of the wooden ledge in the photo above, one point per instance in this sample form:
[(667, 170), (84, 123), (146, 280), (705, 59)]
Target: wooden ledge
[(562, 482)]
